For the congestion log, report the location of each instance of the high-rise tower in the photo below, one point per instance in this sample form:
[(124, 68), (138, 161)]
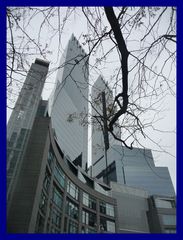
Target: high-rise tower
[(22, 117), (134, 168), (97, 111), (52, 195), (68, 104)]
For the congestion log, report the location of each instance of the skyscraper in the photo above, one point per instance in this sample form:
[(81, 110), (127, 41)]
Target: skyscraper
[(97, 111), (68, 104), (53, 193), (22, 118), (134, 167)]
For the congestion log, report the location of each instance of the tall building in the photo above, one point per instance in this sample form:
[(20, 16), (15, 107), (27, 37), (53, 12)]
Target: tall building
[(68, 104), (97, 111), (134, 168), (22, 118), (53, 193)]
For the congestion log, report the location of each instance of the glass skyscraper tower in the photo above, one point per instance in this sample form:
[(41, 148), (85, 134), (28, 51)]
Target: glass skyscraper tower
[(51, 194), (22, 118), (134, 168), (68, 104), (97, 111)]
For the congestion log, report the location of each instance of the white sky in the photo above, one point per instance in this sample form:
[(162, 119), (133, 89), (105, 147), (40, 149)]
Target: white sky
[(78, 26)]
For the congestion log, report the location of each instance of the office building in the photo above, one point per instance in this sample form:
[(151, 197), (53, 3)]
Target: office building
[(22, 118), (134, 168), (54, 194), (68, 103), (97, 124)]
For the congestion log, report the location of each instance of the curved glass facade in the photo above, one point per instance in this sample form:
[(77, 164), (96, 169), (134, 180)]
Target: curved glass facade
[(68, 205)]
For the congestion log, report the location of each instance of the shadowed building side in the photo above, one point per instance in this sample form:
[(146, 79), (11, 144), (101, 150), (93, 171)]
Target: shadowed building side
[(22, 118)]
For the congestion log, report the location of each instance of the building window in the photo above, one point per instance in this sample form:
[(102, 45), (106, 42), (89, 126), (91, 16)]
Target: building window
[(168, 219), (50, 158), (170, 230), (72, 210), (89, 218), (20, 140), (46, 182), (57, 197), (56, 217), (73, 227), (72, 189), (43, 203), (59, 175), (107, 209), (13, 161), (107, 225), (164, 203), (12, 139), (39, 224), (89, 201)]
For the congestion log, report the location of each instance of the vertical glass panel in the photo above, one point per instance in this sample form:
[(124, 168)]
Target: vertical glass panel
[(73, 227), (43, 203), (107, 225), (50, 158), (59, 175), (13, 161), (46, 182), (85, 199), (39, 224), (56, 217), (89, 201), (84, 217), (72, 189), (102, 207), (107, 209), (57, 197), (12, 139), (110, 210), (89, 218), (72, 210), (110, 226)]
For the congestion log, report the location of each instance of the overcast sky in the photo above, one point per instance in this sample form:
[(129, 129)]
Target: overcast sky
[(78, 25)]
